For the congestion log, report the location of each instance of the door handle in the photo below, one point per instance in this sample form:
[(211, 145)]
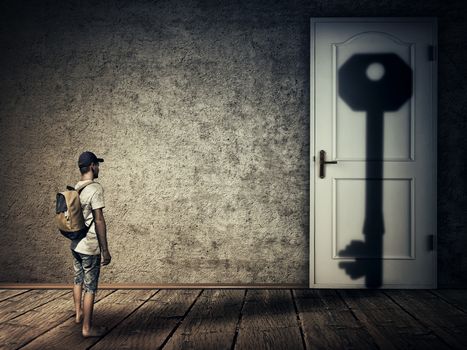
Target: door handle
[(322, 163)]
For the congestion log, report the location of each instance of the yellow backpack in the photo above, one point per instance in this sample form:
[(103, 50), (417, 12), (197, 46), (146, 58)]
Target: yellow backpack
[(69, 213)]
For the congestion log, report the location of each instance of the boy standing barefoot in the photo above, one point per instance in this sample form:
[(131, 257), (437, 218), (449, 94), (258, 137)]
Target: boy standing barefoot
[(87, 251)]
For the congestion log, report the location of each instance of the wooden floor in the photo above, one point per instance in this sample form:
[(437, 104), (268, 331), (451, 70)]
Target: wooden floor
[(239, 319)]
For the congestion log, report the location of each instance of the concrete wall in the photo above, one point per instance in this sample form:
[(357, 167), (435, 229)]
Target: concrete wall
[(201, 111)]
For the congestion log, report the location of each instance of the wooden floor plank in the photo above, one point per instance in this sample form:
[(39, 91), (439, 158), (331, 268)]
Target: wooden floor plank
[(389, 325), (8, 293), (211, 323), (445, 320), (151, 324), (33, 323), (21, 303), (269, 321), (456, 297), (287, 338), (265, 309), (328, 323), (108, 312)]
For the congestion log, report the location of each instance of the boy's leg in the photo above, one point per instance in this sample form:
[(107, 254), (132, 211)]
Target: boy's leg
[(77, 289), (77, 286), (88, 308), (91, 265)]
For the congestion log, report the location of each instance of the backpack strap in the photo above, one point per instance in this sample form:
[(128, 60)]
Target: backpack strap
[(79, 189), (82, 186)]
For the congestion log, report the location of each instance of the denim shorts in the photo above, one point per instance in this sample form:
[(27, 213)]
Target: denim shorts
[(87, 269)]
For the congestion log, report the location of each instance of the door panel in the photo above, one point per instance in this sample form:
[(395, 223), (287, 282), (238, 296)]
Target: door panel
[(349, 215), (374, 112)]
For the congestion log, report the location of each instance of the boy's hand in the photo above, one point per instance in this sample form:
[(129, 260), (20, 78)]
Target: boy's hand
[(106, 258)]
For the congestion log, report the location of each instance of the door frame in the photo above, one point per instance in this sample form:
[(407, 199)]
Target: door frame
[(314, 164)]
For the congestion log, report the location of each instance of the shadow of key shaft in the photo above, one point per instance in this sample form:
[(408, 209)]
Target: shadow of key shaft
[(373, 228)]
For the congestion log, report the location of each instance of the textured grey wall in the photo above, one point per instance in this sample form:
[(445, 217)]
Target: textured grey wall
[(201, 111)]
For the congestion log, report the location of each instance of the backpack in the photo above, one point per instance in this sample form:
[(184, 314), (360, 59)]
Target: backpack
[(69, 214)]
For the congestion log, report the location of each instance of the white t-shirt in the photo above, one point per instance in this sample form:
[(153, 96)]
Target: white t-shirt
[(91, 197)]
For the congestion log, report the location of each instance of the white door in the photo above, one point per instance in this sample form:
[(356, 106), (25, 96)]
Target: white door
[(373, 116)]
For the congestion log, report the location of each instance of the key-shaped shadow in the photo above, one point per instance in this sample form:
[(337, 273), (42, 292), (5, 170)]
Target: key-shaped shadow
[(375, 83)]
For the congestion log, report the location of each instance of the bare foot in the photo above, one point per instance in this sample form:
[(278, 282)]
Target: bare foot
[(95, 332), (79, 317)]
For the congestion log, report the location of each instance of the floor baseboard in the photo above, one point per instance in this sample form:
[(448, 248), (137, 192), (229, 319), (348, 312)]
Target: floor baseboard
[(154, 286)]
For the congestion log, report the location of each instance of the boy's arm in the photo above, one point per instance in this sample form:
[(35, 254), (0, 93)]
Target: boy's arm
[(101, 231)]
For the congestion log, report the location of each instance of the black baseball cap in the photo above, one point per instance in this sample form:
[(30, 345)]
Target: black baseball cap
[(87, 158)]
